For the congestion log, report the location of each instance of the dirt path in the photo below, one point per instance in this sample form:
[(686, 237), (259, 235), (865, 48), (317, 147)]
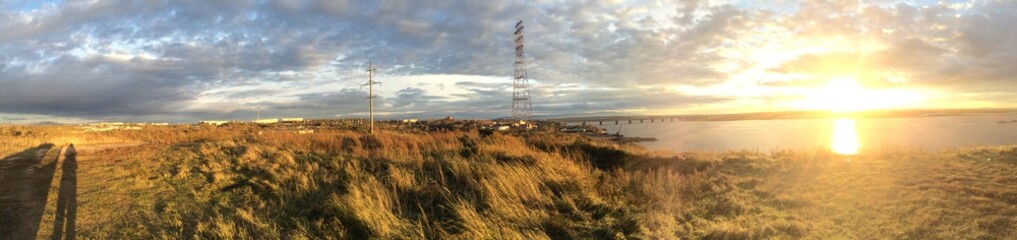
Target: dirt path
[(24, 184), (90, 148), (67, 204)]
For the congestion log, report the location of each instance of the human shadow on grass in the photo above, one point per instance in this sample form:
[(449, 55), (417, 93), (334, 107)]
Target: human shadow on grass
[(67, 205), (24, 186)]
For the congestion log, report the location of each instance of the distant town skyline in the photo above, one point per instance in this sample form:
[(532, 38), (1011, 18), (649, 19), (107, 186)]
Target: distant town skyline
[(184, 61)]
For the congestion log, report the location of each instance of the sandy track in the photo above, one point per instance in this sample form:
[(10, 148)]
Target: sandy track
[(95, 147), (25, 180), (24, 183)]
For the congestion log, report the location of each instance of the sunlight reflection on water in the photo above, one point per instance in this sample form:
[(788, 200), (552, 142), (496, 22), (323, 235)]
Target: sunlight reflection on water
[(845, 137), (872, 134)]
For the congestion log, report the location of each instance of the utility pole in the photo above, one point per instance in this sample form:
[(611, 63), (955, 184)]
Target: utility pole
[(370, 91)]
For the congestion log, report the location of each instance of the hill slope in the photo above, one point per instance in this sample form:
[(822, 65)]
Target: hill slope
[(244, 183)]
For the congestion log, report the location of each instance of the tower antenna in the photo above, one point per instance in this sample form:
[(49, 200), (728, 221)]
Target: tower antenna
[(521, 106), (370, 94)]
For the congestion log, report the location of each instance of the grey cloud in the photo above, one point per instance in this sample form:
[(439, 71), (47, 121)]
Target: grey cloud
[(412, 97), (408, 102), (254, 93), (75, 87), (938, 46), (201, 45)]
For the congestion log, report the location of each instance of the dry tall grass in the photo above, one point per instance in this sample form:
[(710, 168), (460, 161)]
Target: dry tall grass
[(248, 182), (14, 138)]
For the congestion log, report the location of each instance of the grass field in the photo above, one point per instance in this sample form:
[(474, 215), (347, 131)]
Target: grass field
[(244, 182)]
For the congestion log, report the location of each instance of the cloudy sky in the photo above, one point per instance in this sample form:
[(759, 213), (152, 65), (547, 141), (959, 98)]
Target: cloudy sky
[(181, 61)]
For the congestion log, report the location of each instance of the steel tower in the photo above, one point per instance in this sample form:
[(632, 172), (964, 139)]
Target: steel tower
[(521, 107)]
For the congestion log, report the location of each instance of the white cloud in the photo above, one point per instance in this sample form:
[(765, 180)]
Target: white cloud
[(200, 59)]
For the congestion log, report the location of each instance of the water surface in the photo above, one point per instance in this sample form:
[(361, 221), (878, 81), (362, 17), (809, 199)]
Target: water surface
[(932, 133)]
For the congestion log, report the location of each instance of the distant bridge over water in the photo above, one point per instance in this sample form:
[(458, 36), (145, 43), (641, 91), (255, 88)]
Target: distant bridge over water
[(624, 119), (775, 115), (704, 117)]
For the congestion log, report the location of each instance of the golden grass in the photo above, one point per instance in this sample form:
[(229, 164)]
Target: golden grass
[(246, 182)]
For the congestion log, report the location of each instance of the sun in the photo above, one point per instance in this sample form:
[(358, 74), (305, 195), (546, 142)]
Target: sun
[(846, 94), (843, 94)]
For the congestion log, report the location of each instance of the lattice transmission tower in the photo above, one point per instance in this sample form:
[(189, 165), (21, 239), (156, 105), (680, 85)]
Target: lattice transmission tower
[(521, 106)]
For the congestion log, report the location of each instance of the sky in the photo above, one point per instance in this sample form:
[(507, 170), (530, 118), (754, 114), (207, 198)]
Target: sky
[(184, 61)]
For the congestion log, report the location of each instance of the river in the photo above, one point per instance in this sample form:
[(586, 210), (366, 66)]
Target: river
[(930, 133)]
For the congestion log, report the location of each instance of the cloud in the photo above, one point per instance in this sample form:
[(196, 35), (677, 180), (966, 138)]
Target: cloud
[(215, 59), (412, 97)]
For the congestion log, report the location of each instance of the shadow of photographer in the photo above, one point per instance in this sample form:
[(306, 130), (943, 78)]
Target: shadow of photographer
[(67, 205), (24, 186)]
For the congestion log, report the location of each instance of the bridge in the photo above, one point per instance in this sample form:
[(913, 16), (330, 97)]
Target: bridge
[(704, 117), (623, 119)]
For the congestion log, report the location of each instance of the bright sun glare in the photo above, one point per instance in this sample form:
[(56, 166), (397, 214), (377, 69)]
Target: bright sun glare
[(842, 94), (845, 138), (845, 94)]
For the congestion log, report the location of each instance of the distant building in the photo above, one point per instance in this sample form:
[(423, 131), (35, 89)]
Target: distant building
[(583, 128), (410, 120), (292, 119), (267, 121), (107, 126), (213, 122)]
